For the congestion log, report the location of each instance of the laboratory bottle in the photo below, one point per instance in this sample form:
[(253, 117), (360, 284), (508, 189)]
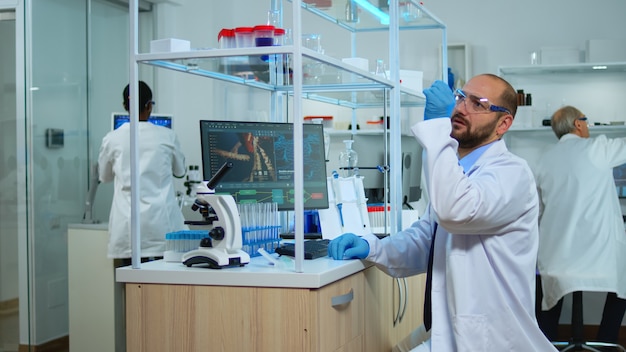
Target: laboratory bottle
[(380, 68), (348, 159), (194, 173), (521, 98), (352, 12)]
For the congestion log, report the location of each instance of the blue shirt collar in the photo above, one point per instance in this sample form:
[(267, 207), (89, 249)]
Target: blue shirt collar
[(468, 161)]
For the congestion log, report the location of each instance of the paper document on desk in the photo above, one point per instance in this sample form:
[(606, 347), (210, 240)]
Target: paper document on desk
[(347, 210)]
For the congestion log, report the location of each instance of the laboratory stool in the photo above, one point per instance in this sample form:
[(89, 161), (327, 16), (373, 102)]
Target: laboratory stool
[(577, 342)]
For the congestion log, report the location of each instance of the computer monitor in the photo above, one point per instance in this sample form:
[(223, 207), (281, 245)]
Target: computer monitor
[(120, 118), (262, 156)]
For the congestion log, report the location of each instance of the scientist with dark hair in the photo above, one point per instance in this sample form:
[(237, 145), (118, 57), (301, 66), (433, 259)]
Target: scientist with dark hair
[(160, 161)]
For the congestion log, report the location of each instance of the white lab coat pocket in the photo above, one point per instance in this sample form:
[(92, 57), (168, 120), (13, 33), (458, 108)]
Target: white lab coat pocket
[(471, 333)]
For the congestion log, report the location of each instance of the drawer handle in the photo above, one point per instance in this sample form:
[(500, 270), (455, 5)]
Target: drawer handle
[(339, 301), (397, 318), (406, 298)]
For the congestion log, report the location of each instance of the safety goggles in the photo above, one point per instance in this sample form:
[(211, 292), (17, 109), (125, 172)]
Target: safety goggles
[(477, 105)]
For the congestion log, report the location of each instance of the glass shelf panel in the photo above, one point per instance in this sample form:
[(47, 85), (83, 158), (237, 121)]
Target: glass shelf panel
[(362, 99), (373, 15), (608, 67), (325, 79)]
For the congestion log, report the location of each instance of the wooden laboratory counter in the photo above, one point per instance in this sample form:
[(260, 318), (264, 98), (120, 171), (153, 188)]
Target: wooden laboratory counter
[(257, 307), (170, 307)]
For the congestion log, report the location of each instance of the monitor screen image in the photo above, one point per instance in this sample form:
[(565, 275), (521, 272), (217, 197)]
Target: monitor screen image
[(262, 156), (120, 118)]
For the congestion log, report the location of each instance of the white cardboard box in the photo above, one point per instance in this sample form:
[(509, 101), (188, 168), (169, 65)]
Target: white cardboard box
[(357, 62), (606, 50), (411, 79), (169, 45), (559, 55)]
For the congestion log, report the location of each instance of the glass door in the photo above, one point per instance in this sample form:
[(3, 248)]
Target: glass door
[(9, 292)]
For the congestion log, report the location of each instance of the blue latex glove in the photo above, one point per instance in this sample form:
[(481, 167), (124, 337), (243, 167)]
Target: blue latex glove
[(439, 101), (348, 246)]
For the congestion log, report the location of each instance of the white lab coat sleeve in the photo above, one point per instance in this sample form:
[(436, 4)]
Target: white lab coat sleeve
[(477, 203), (404, 253), (178, 160), (105, 161), (608, 151)]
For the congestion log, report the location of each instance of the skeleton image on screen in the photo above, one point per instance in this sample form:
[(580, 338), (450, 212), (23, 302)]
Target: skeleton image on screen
[(251, 152)]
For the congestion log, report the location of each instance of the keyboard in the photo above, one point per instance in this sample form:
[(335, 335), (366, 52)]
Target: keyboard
[(312, 249), (307, 236)]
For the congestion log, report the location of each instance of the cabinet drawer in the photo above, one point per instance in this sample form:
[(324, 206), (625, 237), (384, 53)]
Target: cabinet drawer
[(341, 315)]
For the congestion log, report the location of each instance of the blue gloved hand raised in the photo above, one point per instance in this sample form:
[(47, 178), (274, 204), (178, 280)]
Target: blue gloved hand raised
[(348, 246), (439, 101)]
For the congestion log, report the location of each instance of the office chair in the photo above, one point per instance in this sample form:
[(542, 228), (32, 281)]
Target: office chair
[(577, 341)]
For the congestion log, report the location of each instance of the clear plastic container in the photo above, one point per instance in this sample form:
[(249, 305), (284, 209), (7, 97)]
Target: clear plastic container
[(244, 37), (264, 35), (279, 36), (312, 41), (226, 38)]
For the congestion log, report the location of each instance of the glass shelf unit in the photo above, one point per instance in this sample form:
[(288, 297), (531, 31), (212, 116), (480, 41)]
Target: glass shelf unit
[(325, 79), (302, 73), (606, 67)]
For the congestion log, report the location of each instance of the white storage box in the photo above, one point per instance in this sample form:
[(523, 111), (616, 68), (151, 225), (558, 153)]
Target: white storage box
[(169, 45), (411, 79), (606, 50), (559, 55), (357, 62)]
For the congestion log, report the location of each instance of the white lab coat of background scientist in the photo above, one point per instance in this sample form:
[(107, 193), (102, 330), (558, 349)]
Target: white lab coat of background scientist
[(160, 159), (594, 260)]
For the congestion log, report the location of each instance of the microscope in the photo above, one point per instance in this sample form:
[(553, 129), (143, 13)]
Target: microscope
[(222, 247)]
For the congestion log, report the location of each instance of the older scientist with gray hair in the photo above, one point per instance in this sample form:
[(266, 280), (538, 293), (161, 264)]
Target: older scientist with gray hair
[(478, 236), (582, 244)]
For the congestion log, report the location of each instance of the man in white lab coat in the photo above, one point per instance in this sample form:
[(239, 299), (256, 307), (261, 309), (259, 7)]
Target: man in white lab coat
[(582, 244), (160, 159), (481, 221)]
